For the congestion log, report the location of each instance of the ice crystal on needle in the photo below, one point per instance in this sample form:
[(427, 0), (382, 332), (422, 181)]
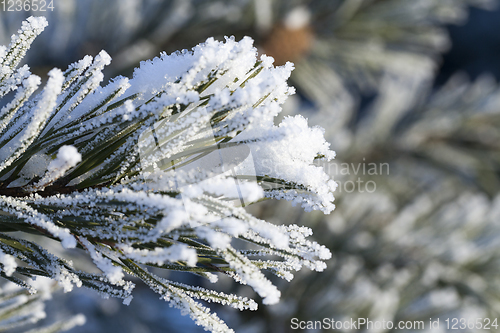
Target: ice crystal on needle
[(153, 171)]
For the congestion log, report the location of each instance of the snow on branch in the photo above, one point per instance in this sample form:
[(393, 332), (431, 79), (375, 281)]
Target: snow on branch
[(154, 171)]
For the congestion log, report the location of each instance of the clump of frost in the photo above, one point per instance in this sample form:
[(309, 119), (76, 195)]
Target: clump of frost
[(289, 153), (67, 157), (113, 273), (8, 263)]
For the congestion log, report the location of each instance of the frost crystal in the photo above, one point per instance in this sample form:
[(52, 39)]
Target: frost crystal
[(154, 171), (67, 157), (8, 263)]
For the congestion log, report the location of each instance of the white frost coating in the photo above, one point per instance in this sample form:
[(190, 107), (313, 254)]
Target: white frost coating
[(240, 303), (215, 239), (88, 82), (112, 272), (30, 84), (115, 88), (173, 220), (252, 276), (33, 217), (155, 75), (13, 78), (3, 51), (39, 115), (219, 186), (289, 154), (8, 262), (20, 43), (77, 68), (67, 157), (181, 296), (176, 252), (271, 82), (34, 24), (102, 59)]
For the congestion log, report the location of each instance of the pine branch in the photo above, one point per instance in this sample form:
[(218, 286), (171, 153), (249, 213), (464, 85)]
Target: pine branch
[(146, 172)]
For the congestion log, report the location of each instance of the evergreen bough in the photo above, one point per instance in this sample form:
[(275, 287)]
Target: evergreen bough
[(151, 172)]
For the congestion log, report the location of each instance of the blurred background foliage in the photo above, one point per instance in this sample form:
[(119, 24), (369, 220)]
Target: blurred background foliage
[(394, 92)]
